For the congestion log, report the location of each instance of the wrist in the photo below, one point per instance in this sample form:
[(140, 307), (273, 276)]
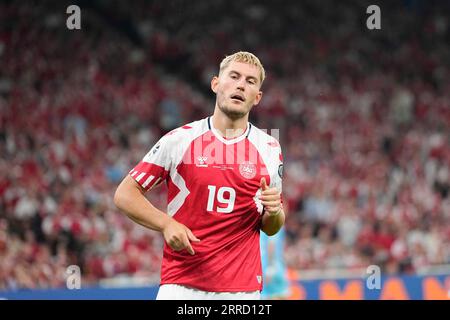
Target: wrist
[(274, 214), (165, 221)]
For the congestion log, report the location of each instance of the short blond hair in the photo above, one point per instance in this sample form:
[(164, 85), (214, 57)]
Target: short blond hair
[(245, 57)]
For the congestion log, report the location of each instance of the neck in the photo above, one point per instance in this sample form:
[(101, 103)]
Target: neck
[(228, 128)]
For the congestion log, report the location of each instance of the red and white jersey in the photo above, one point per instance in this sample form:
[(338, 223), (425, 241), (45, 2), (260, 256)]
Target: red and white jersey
[(213, 188)]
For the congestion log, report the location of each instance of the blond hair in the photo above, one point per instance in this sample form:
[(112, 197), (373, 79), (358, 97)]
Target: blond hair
[(245, 57)]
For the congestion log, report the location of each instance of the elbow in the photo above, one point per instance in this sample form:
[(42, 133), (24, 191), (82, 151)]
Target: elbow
[(119, 199), (271, 232), (271, 229), (272, 226)]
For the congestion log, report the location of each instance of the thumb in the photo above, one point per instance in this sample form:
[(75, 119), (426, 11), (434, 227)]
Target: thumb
[(263, 184), (191, 236)]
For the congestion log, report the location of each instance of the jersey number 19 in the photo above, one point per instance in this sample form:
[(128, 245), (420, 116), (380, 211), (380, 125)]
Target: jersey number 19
[(229, 200)]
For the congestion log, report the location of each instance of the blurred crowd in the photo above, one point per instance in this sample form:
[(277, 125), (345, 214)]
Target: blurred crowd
[(364, 120)]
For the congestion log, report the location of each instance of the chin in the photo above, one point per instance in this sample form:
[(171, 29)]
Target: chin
[(233, 113)]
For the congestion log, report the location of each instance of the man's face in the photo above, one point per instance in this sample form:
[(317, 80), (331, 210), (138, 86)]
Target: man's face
[(237, 89)]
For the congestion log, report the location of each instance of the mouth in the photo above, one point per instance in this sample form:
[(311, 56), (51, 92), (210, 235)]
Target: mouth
[(238, 97)]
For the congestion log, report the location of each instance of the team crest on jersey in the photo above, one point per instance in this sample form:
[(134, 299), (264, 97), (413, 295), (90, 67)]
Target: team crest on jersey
[(247, 170), (201, 161)]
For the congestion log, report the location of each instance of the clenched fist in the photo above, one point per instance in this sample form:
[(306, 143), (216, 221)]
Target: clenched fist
[(178, 236)]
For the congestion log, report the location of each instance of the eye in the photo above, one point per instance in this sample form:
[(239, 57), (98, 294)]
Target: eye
[(251, 81), (233, 76)]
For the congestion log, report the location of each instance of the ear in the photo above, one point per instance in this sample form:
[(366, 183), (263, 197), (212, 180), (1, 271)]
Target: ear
[(258, 98), (214, 84)]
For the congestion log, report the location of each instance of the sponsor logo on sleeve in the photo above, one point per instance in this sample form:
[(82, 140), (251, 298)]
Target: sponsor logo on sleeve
[(156, 148), (280, 170)]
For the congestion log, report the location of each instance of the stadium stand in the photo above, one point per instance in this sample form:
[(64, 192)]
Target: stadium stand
[(364, 119)]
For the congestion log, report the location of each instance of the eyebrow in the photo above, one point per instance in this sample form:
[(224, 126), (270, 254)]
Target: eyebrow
[(248, 77)]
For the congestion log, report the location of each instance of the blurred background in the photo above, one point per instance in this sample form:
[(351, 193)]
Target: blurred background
[(364, 119)]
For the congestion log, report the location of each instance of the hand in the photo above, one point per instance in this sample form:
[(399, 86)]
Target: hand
[(270, 198), (177, 236)]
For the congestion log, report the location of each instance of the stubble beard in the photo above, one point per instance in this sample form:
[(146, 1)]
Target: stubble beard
[(232, 113)]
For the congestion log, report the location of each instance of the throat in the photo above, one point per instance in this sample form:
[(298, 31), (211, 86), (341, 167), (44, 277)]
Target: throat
[(229, 131), (231, 134), (229, 128)]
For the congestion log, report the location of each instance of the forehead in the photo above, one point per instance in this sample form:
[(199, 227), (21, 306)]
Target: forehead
[(246, 69)]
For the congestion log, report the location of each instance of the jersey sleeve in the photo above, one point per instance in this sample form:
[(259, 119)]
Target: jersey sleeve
[(155, 166)]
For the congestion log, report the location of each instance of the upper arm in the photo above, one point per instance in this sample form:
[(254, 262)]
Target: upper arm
[(155, 166), (128, 183), (125, 191), (148, 173)]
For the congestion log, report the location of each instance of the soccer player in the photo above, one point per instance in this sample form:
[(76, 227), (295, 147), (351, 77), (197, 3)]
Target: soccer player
[(275, 276), (224, 186)]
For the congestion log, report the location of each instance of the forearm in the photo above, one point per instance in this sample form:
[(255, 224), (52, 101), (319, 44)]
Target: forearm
[(135, 205), (272, 224)]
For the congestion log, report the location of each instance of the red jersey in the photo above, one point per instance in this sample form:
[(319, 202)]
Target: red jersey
[(213, 188)]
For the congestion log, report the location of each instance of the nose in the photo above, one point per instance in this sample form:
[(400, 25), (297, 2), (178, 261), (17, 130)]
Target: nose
[(241, 84)]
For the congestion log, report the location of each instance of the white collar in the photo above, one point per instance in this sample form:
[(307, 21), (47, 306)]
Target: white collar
[(229, 141)]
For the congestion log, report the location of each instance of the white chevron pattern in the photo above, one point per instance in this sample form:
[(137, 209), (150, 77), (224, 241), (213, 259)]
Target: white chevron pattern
[(179, 199)]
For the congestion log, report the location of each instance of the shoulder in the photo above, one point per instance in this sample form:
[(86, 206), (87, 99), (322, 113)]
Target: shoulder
[(268, 145), (265, 138), (186, 133)]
